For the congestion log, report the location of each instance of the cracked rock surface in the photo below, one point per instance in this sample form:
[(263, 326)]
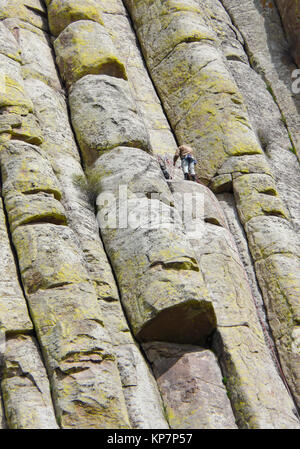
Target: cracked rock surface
[(128, 300)]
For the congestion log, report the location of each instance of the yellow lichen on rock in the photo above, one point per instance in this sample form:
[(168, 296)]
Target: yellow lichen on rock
[(85, 48), (32, 11), (63, 12), (29, 131), (160, 283), (13, 97), (204, 106), (245, 164), (84, 377), (256, 194), (279, 278), (239, 340), (61, 296), (170, 30), (107, 119), (35, 208), (25, 170), (14, 316), (43, 265), (8, 44), (24, 381)]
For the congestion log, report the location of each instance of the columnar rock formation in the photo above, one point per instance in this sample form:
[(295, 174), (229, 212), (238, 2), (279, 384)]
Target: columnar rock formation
[(126, 300), (290, 13)]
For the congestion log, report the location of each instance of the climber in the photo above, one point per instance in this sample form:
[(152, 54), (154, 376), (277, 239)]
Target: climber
[(187, 161)]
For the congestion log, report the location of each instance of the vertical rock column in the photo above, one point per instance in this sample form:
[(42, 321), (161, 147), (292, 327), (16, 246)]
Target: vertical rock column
[(85, 381), (13, 309), (239, 341), (290, 14), (190, 382), (142, 398), (113, 15), (264, 113), (269, 54), (26, 398), (25, 387), (100, 105), (61, 297), (105, 120), (200, 97), (269, 126), (207, 111)]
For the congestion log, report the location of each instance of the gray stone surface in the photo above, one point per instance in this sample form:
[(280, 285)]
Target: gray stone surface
[(144, 404), (25, 386), (14, 315), (170, 286), (272, 133), (239, 342), (37, 56), (31, 11), (268, 53), (190, 382), (84, 47), (12, 96), (107, 118), (223, 74), (137, 382), (8, 44), (289, 11)]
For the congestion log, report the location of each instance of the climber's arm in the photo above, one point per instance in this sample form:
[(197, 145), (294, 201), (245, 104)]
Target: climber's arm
[(176, 156)]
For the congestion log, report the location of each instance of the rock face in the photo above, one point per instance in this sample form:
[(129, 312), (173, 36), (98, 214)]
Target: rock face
[(290, 13), (269, 55), (188, 379), (128, 300), (84, 47), (161, 285)]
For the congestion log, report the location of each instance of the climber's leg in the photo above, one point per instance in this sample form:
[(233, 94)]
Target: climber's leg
[(185, 168), (192, 170)]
